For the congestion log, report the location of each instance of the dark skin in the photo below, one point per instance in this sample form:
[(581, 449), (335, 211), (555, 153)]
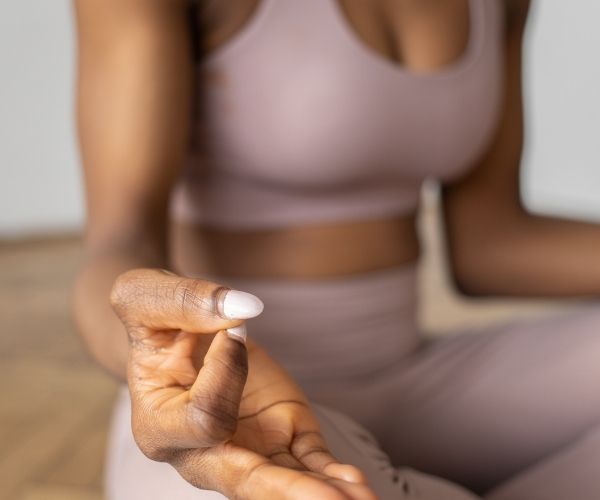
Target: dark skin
[(135, 89)]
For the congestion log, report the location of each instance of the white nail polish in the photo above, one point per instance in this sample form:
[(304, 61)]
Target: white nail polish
[(238, 333), (241, 305)]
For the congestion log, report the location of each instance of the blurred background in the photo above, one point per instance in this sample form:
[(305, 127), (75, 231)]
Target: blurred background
[(56, 404)]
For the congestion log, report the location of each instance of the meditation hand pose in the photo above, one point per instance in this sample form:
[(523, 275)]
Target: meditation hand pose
[(195, 404)]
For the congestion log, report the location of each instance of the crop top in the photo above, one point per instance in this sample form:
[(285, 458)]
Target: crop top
[(299, 121)]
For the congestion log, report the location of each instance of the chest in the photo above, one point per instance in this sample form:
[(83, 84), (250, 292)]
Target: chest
[(420, 35), (304, 95)]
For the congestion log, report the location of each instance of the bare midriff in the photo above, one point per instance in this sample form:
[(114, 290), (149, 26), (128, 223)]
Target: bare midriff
[(299, 252)]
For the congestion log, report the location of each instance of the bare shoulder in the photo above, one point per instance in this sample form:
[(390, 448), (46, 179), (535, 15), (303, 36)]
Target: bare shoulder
[(102, 11)]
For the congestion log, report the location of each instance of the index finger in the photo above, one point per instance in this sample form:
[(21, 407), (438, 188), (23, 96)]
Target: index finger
[(157, 299)]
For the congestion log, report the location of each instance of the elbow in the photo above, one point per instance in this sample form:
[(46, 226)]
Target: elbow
[(475, 248), (467, 281), (471, 268), (480, 269)]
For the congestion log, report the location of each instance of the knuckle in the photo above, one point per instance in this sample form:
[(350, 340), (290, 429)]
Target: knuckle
[(193, 296), (187, 295), (125, 291), (135, 292), (116, 293)]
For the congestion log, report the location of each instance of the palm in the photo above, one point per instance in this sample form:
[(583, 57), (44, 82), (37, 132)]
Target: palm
[(273, 412), (276, 427), (273, 408)]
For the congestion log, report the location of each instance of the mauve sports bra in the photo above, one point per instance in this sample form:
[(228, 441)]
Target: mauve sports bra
[(300, 122)]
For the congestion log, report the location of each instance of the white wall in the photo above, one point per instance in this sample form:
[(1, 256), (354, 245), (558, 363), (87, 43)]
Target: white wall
[(39, 179), (562, 95)]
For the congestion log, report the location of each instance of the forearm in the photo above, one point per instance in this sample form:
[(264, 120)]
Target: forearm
[(135, 81), (98, 325), (530, 255)]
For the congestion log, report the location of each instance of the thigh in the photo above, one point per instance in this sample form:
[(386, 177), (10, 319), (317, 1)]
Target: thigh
[(480, 407), (352, 443), (132, 476), (570, 473)]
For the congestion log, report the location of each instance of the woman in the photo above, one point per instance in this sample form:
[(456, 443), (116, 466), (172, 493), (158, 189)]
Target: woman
[(280, 157)]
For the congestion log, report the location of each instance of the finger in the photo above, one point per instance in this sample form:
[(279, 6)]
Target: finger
[(172, 418), (346, 472), (157, 299), (214, 398), (355, 491), (310, 449), (240, 473), (284, 458)]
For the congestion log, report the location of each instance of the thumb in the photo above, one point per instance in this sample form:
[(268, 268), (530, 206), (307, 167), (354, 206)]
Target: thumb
[(204, 416), (214, 398)]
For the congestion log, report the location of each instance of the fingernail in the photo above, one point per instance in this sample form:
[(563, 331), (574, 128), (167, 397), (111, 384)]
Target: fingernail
[(241, 305), (238, 333)]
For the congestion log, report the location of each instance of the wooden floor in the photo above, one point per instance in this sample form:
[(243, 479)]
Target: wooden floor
[(55, 404)]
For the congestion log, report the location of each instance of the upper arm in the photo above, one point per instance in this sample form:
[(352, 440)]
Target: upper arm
[(134, 91), (489, 196)]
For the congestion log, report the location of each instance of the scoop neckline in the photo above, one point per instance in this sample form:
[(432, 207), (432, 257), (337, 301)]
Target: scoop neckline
[(253, 24), (459, 65), (455, 67)]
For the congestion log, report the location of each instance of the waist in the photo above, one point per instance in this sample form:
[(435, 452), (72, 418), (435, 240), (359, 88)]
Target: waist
[(335, 328), (295, 253)]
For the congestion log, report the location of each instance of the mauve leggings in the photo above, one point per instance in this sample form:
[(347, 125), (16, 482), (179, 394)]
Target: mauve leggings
[(510, 413)]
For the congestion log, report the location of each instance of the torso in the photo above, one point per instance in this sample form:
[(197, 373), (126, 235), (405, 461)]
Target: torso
[(421, 37)]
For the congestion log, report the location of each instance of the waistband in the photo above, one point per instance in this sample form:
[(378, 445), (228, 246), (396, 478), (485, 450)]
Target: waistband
[(335, 327)]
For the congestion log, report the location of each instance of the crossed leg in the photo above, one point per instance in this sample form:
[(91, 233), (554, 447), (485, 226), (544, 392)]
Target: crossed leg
[(571, 473), (512, 413), (132, 476)]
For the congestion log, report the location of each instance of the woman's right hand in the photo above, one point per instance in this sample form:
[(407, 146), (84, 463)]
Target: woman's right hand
[(187, 378)]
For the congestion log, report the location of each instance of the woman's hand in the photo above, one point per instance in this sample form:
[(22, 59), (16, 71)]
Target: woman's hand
[(192, 407)]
